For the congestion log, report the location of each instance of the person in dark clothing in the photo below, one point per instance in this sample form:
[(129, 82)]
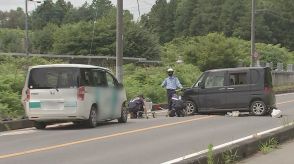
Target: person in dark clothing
[(171, 83), (136, 106)]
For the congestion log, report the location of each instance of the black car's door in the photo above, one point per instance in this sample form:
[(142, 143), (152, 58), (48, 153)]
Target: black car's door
[(212, 94), (238, 89)]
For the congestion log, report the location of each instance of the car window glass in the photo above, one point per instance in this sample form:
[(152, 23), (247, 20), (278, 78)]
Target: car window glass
[(110, 81), (215, 79), (99, 78), (200, 79), (238, 78), (87, 78), (255, 76), (47, 78)]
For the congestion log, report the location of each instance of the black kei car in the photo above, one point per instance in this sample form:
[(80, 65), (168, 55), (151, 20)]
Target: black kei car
[(233, 89)]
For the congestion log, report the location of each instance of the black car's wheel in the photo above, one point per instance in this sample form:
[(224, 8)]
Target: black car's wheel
[(40, 125), (190, 108), (258, 108), (124, 115), (92, 121)]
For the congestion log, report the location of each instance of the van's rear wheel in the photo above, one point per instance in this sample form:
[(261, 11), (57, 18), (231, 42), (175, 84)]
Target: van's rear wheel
[(40, 125), (92, 121), (190, 108), (124, 115), (258, 108)]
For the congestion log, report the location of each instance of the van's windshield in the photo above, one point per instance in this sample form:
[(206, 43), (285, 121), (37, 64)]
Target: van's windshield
[(49, 78)]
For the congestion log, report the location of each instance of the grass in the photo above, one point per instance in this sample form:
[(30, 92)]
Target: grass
[(269, 145), (210, 159), (230, 157)]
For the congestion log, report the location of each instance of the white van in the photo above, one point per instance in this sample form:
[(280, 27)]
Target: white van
[(73, 92)]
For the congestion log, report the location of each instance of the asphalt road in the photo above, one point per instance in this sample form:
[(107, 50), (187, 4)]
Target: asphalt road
[(141, 141)]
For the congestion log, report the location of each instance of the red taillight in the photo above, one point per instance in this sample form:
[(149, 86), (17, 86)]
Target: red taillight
[(267, 90), (81, 93), (28, 95)]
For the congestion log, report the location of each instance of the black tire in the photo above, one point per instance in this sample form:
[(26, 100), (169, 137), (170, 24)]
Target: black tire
[(40, 125), (92, 121), (258, 108), (191, 108), (124, 115), (172, 113)]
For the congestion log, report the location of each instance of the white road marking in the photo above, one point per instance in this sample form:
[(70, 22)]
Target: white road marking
[(226, 144), (284, 94), (13, 133)]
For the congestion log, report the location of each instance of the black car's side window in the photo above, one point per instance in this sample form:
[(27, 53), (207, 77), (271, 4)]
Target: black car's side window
[(238, 78), (215, 79)]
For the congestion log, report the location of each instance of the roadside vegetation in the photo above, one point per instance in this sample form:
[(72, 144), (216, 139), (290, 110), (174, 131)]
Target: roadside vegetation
[(269, 145)]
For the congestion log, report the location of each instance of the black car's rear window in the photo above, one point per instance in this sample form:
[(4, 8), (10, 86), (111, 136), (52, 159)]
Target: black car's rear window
[(53, 77), (268, 77)]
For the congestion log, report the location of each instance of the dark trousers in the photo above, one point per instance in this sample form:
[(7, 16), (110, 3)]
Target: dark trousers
[(170, 93)]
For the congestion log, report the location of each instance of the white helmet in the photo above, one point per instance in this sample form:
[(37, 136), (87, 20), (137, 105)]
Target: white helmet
[(170, 70)]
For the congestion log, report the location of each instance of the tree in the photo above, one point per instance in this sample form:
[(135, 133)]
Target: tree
[(138, 42), (206, 17), (43, 39)]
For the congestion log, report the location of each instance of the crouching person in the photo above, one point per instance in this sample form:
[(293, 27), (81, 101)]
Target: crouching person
[(178, 107), (136, 107)]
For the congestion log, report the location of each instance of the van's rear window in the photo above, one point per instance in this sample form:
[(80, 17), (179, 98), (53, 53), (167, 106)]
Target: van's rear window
[(49, 78)]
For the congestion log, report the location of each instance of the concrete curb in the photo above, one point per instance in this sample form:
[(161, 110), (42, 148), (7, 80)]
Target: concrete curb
[(244, 149), (13, 125)]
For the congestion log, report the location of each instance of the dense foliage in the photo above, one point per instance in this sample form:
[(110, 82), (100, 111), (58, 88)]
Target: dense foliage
[(174, 18), (59, 28), (217, 51)]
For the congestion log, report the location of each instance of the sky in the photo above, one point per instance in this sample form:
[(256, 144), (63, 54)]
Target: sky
[(145, 5)]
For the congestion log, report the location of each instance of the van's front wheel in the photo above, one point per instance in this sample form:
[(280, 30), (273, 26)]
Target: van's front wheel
[(124, 115), (258, 108), (40, 125)]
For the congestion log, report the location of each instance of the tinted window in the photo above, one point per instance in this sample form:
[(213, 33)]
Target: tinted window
[(215, 79), (99, 78), (255, 76), (268, 77), (238, 78), (86, 77), (47, 78), (111, 82), (200, 79)]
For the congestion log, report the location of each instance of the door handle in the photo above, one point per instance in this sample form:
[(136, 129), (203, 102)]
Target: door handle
[(221, 89), (231, 88)]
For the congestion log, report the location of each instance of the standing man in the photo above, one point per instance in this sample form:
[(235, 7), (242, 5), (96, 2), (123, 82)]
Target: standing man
[(171, 83)]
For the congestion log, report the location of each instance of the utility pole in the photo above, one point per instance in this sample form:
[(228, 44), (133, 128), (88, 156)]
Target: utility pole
[(253, 58), (26, 28), (119, 41)]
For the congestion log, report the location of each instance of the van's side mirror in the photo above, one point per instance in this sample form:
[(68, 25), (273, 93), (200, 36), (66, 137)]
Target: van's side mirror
[(201, 85)]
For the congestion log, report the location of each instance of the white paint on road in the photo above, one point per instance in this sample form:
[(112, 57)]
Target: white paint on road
[(285, 94), (227, 144), (13, 133)]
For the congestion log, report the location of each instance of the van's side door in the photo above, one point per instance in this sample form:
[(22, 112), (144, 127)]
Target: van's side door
[(101, 93), (212, 95), (114, 99), (238, 90)]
